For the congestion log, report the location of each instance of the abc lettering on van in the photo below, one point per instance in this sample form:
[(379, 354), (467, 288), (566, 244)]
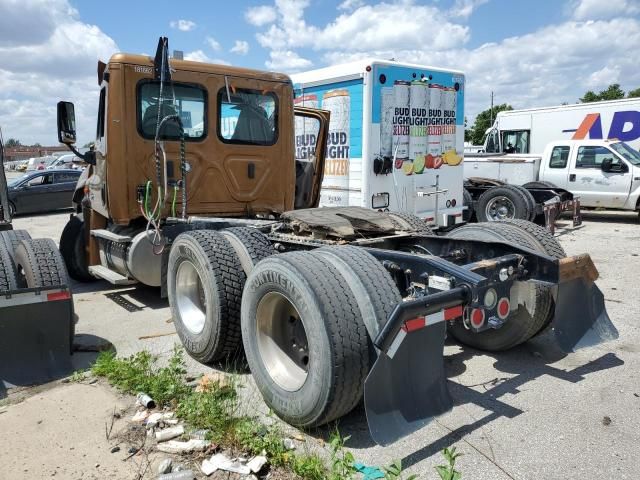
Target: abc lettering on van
[(625, 126)]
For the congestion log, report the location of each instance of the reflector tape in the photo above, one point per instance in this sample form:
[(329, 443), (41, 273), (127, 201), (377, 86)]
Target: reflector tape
[(421, 322), (14, 299)]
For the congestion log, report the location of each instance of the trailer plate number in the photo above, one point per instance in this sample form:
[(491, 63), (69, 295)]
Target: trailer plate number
[(440, 283)]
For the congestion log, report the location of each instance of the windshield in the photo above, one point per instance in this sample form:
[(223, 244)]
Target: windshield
[(15, 181), (626, 152)]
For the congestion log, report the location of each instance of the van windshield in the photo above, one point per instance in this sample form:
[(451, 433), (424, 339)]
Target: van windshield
[(626, 152)]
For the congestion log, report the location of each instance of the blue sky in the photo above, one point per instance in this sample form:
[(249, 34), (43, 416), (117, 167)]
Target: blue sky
[(529, 53)]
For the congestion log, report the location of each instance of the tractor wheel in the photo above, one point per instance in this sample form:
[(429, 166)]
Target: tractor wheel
[(250, 245), (467, 201), (407, 222), (540, 184), (204, 284), (73, 248), (11, 239), (41, 263), (8, 274), (530, 301), (369, 282), (501, 203), (304, 338), (528, 197)]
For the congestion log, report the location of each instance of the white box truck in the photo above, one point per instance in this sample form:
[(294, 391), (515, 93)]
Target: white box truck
[(396, 137), (531, 130)]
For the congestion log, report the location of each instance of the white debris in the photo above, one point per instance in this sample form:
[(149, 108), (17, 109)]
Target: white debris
[(154, 419), (289, 444), (221, 462), (140, 416), (207, 467), (169, 433), (256, 463), (165, 466), (174, 446)]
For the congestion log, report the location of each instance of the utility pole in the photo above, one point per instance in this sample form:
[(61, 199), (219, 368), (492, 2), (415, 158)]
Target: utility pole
[(491, 111)]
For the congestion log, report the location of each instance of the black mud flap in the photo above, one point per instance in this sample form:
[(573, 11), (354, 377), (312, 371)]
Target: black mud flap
[(407, 387), (35, 339), (581, 318)]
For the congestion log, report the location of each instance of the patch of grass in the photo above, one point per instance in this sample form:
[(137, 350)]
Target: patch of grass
[(448, 471), (78, 376), (394, 472), (215, 409)]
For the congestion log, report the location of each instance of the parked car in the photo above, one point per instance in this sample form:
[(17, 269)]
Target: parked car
[(69, 161), (42, 191)]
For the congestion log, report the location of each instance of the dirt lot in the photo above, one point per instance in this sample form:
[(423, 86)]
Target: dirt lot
[(529, 413)]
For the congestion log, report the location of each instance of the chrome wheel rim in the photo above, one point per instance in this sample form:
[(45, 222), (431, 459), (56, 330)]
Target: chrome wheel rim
[(282, 341), (500, 208), (190, 298)]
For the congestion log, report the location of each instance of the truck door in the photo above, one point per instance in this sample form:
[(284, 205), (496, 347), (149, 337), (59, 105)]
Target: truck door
[(556, 168), (595, 187), (311, 128)]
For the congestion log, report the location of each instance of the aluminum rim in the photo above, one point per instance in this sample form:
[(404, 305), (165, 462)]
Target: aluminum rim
[(500, 208), (190, 298), (282, 341)]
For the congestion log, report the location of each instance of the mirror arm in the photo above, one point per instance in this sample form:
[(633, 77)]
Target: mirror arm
[(89, 157)]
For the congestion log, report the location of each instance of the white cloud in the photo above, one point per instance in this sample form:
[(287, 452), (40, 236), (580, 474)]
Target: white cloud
[(604, 77), (350, 5), (600, 9), (240, 47), (261, 15), (287, 61), (464, 8), (182, 25), (47, 54), (213, 44), (200, 56)]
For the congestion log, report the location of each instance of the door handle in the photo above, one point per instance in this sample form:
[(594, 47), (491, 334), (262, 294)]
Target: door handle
[(572, 177)]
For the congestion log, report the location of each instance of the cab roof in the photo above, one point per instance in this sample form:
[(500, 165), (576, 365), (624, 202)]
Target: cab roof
[(201, 67)]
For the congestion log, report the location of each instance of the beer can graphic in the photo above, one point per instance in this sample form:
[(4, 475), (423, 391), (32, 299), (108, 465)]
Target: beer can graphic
[(401, 119), (434, 132), (304, 125), (419, 111), (336, 175), (306, 129), (386, 121), (449, 104)]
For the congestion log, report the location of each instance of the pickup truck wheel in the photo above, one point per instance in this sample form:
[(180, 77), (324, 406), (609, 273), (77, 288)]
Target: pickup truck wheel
[(73, 249), (8, 274), (540, 184), (501, 203), (250, 245), (304, 338), (12, 238), (407, 222), (204, 285), (530, 301), (467, 201)]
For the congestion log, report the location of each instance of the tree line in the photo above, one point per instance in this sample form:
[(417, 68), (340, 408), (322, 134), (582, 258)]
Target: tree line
[(476, 133)]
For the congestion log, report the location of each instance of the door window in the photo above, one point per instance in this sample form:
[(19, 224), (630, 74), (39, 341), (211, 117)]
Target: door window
[(247, 117), (307, 129), (492, 142), (65, 177), (592, 157), (41, 180), (515, 141), (559, 157)]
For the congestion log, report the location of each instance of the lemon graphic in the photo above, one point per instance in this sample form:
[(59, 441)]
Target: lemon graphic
[(407, 167), (418, 165), (451, 158)]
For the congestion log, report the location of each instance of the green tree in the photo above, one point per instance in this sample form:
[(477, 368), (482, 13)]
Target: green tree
[(590, 97), (483, 122), (613, 92), (633, 93), (13, 142)]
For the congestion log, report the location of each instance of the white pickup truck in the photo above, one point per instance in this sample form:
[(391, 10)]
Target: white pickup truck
[(601, 173)]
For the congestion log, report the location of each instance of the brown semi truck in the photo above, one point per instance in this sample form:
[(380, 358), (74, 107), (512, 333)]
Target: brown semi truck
[(194, 187)]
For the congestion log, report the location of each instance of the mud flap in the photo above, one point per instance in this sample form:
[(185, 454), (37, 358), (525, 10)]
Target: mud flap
[(581, 318), (407, 387), (35, 339)]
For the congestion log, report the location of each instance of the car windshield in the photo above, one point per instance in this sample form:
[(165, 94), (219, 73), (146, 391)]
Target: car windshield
[(626, 152), (16, 181)]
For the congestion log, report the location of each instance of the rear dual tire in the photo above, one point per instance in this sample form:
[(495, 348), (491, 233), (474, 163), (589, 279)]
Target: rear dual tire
[(505, 202)]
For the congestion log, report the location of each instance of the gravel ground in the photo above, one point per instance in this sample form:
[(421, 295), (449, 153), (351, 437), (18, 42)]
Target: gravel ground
[(529, 413)]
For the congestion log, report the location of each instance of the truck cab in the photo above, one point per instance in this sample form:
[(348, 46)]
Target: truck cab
[(603, 173)]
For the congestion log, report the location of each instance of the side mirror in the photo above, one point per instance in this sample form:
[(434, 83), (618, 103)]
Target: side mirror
[(66, 123)]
